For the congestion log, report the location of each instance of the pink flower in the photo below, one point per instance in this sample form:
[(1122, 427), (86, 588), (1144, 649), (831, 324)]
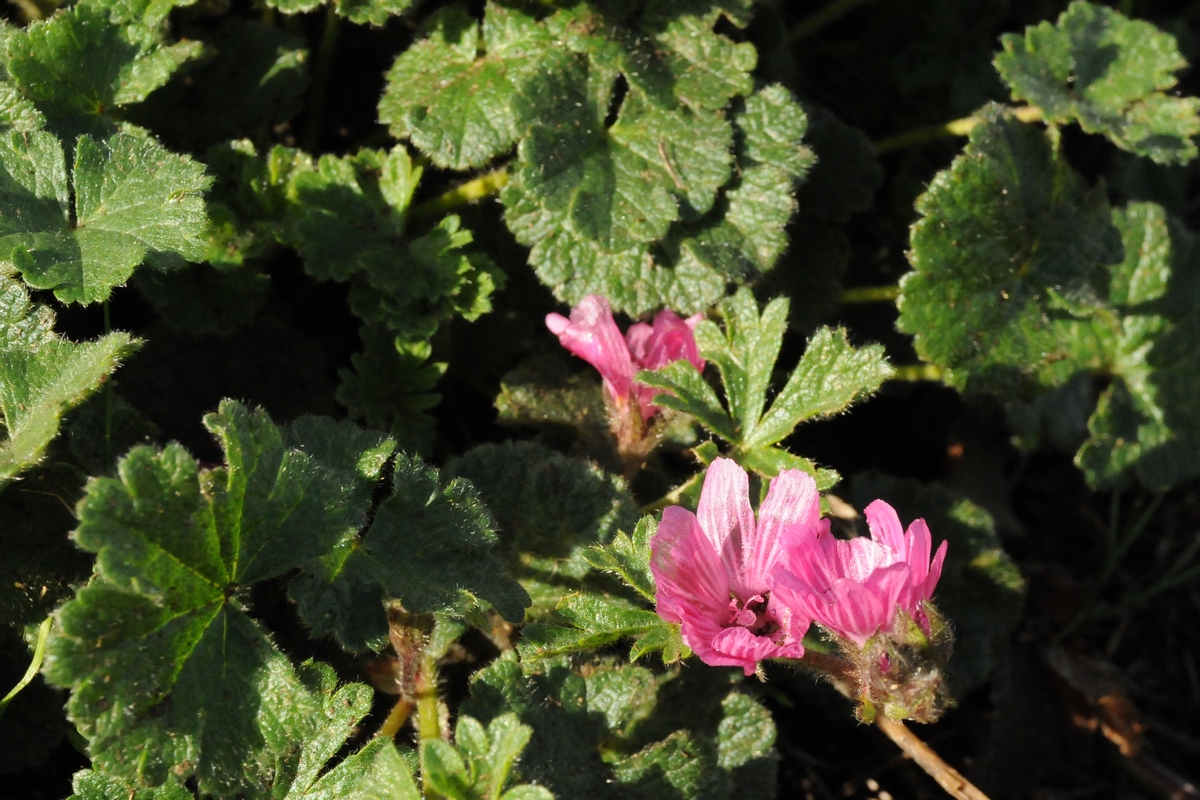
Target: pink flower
[(592, 335), (855, 588), (713, 568)]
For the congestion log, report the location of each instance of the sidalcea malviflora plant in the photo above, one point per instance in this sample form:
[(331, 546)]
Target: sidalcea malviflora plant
[(592, 334), (743, 590)]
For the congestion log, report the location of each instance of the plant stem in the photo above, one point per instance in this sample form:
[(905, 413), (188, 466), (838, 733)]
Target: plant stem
[(108, 400), (870, 294), (39, 653), (396, 718), (320, 80), (429, 721), (672, 497), (811, 24), (959, 127), (911, 745), (917, 372), (485, 185)]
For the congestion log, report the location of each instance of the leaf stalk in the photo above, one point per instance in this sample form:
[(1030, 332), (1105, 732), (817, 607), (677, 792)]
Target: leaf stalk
[(485, 185), (39, 654), (959, 127), (815, 22)]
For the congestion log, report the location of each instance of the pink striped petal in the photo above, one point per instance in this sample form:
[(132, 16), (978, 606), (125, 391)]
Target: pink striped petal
[(791, 511), (728, 520), (920, 543), (885, 527), (743, 648), (687, 572), (592, 334)]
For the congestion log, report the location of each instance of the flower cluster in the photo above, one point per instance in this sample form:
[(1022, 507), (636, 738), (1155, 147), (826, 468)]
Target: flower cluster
[(593, 335), (743, 590)]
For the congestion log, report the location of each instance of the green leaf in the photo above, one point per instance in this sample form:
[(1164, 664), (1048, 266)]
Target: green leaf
[(1110, 74), (628, 732), (77, 66), (831, 375), (347, 220), (43, 375), (428, 548), (294, 6), (1009, 237), (550, 508), (770, 461), (709, 68), (376, 772), (628, 557), (1146, 421), (543, 393), (349, 212), (132, 201), (371, 12), (583, 622), (648, 211), (477, 765), (168, 673), (91, 785), (454, 92), (691, 394), (981, 591), (439, 279), (389, 385)]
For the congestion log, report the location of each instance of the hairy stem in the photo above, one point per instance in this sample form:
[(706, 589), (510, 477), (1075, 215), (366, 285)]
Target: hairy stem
[(830, 13), (870, 294), (959, 127), (396, 718), (39, 653), (429, 717), (917, 372), (320, 80), (485, 185)]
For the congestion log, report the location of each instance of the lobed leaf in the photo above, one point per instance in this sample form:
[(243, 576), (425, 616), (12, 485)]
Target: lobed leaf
[(43, 375), (130, 201), (1008, 237), (78, 66), (168, 673), (1110, 74), (427, 548), (454, 93), (587, 621), (628, 557), (627, 732)]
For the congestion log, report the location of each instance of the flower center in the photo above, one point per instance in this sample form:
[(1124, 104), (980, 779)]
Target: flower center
[(752, 615)]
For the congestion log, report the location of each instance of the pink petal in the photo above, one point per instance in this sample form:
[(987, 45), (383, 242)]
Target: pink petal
[(728, 520), (794, 599), (861, 556), (742, 648), (669, 340), (920, 542), (886, 529), (893, 587), (592, 334), (689, 575), (935, 570), (791, 512), (853, 612), (814, 561), (638, 339)]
